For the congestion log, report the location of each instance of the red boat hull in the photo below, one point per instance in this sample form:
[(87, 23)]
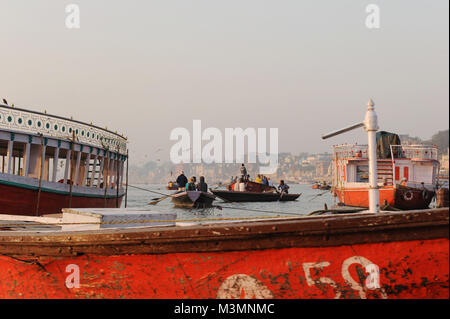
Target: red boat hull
[(22, 201), (400, 197), (407, 269), (359, 197)]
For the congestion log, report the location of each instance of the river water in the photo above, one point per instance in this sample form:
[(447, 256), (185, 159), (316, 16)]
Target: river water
[(308, 202)]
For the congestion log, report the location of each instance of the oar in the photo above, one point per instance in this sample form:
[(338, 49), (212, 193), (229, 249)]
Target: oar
[(157, 200)]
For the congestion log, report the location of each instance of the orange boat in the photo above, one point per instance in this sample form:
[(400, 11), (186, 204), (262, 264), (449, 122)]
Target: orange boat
[(406, 180), (370, 254), (363, 255)]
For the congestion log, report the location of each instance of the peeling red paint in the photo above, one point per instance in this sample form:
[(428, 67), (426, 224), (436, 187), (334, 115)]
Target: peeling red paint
[(407, 269)]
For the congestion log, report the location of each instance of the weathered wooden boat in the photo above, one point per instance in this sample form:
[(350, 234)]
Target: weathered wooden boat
[(442, 198), (321, 186), (406, 180), (232, 196), (172, 187), (363, 255), (193, 199), (50, 162), (370, 254)]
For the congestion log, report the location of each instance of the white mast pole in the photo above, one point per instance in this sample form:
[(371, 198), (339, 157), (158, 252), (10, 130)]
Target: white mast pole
[(371, 126)]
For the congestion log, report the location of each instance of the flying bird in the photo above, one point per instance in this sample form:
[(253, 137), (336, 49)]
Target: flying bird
[(6, 102)]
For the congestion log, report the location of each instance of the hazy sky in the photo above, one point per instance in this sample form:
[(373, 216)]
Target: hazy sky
[(306, 67)]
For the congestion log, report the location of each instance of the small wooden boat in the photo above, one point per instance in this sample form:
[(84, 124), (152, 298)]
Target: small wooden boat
[(442, 197), (172, 187), (193, 199), (232, 196)]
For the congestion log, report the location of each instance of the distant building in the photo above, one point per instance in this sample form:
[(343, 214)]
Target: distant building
[(444, 162), (322, 168)]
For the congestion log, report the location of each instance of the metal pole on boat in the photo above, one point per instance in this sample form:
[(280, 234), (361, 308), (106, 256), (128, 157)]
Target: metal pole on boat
[(117, 177), (371, 126), (126, 186)]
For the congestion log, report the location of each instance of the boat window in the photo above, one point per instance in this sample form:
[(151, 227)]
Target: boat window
[(362, 173), (406, 172), (397, 173)]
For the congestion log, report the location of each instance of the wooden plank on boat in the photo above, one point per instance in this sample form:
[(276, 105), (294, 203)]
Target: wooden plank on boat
[(98, 218)]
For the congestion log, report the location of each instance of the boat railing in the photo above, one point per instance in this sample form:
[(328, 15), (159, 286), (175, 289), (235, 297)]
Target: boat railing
[(419, 152), (350, 151)]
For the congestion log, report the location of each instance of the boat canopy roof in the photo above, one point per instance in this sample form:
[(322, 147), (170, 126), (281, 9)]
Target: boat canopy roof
[(25, 121)]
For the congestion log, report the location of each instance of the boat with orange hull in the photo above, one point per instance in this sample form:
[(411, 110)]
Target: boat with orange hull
[(407, 180), (387, 255), (41, 153)]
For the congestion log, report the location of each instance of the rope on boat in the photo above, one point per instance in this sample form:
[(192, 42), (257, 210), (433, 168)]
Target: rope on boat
[(259, 211), (143, 221), (147, 190)]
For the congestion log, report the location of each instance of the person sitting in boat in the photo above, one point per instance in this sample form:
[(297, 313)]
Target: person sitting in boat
[(403, 183), (191, 185), (243, 171), (241, 187), (193, 180), (283, 187), (202, 186), (264, 180), (258, 179), (182, 181), (269, 182)]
